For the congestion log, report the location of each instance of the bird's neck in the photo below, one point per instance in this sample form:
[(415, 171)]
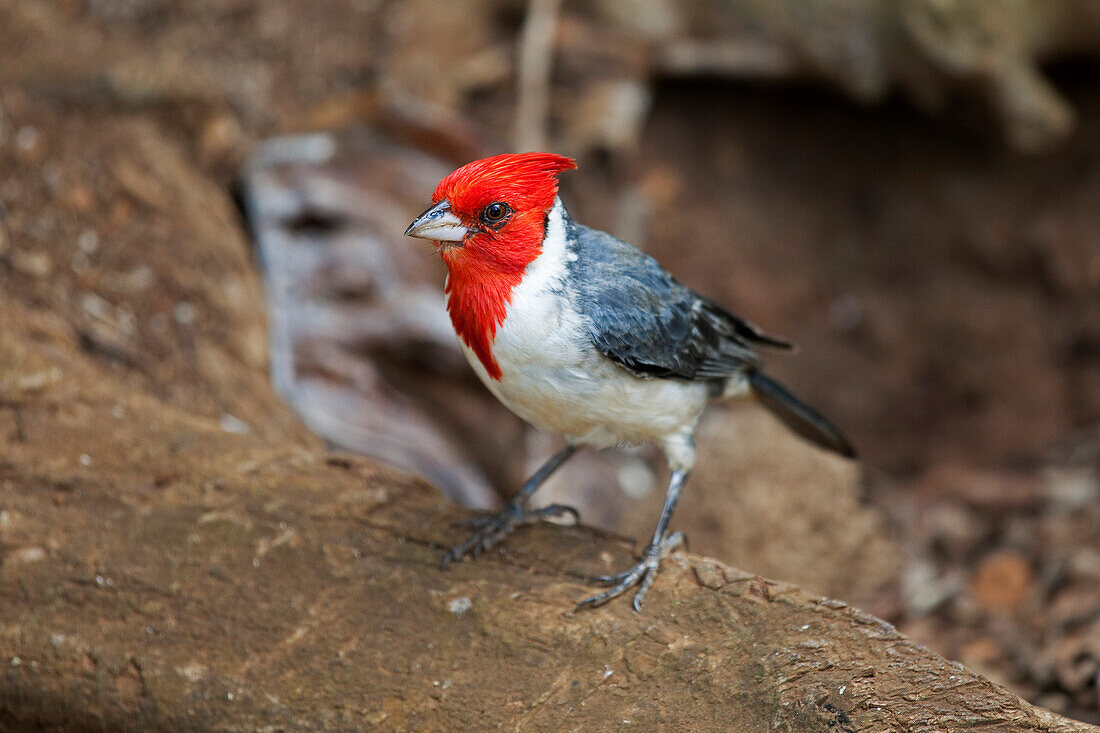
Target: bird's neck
[(481, 276)]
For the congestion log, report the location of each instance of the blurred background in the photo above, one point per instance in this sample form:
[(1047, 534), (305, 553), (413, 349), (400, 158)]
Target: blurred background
[(909, 190)]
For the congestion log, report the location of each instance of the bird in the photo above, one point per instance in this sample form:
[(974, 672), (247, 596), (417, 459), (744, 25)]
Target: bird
[(583, 335)]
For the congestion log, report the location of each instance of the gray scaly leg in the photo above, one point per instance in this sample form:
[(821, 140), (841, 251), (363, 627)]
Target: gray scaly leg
[(492, 528), (659, 547)]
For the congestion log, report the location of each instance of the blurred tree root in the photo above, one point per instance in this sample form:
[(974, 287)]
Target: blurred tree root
[(178, 554)]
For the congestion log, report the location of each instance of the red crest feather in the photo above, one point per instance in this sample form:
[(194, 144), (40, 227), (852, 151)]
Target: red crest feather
[(524, 180)]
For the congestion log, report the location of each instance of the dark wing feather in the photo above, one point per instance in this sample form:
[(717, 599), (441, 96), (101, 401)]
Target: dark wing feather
[(640, 317)]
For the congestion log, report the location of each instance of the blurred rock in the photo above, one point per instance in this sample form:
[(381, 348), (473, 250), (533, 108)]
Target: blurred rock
[(34, 264), (455, 50), (221, 138), (29, 145), (924, 589), (934, 51), (1029, 613), (1002, 582), (608, 115), (327, 213)]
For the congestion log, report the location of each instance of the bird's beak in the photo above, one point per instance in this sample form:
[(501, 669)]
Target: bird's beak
[(438, 224)]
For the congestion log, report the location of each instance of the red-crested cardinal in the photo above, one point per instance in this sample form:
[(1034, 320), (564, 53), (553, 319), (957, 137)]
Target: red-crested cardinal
[(581, 334)]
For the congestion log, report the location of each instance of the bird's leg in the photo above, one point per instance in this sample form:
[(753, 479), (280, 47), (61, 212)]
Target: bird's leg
[(659, 547), (492, 528)]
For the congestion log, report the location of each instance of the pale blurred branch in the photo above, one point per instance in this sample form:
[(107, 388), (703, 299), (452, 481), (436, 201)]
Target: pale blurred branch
[(536, 51)]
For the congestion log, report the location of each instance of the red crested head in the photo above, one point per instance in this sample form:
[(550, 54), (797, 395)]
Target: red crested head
[(489, 220), (526, 182)]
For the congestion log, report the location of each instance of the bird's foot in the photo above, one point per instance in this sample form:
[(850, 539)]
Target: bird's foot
[(640, 575), (492, 528)]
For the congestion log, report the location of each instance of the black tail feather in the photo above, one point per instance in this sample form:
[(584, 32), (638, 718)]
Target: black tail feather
[(798, 416)]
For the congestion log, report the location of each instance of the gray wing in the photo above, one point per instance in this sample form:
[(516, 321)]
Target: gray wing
[(640, 317)]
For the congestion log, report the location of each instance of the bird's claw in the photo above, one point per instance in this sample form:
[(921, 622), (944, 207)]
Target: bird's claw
[(641, 575), (552, 511), (520, 517), (608, 580), (492, 528)]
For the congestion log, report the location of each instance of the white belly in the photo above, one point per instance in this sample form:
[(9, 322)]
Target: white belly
[(591, 401), (553, 382)]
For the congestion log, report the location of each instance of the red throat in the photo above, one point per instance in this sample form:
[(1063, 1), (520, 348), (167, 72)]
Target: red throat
[(484, 271), (479, 289)]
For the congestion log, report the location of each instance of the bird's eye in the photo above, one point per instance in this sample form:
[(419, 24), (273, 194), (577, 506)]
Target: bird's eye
[(496, 213)]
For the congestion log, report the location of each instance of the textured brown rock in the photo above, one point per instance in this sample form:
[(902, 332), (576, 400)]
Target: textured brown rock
[(265, 585)]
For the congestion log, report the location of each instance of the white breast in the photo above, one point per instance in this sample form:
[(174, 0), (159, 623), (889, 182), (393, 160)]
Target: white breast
[(556, 380)]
